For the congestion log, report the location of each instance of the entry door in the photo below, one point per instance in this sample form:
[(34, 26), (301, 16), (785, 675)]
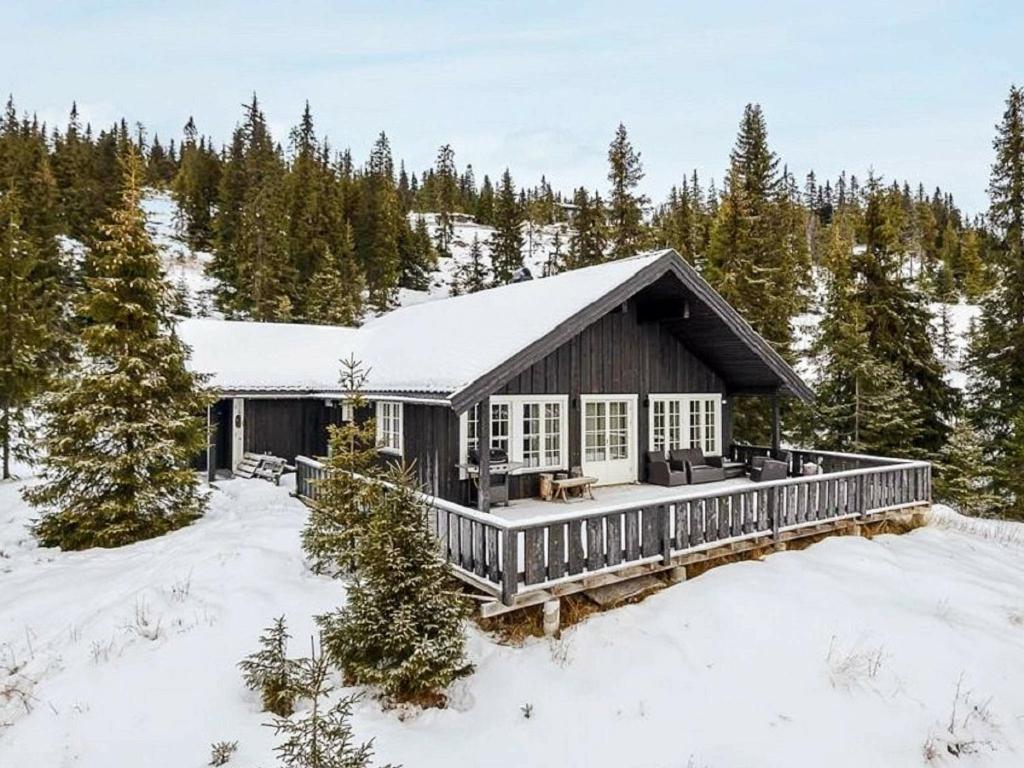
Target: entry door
[(237, 431), (609, 438)]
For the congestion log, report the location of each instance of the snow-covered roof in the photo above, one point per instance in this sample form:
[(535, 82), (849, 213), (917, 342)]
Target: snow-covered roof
[(253, 357), (439, 347), (436, 346)]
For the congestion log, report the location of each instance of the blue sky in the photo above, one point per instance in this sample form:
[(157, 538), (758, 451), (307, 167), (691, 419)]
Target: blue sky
[(912, 89)]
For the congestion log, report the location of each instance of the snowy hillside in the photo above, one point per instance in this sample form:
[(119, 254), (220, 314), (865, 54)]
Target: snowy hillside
[(850, 653), (185, 267)]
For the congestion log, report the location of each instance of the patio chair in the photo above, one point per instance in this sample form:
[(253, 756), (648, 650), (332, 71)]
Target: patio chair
[(763, 469), (660, 472), (698, 468)]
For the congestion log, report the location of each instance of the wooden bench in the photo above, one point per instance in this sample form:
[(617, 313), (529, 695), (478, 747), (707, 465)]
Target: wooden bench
[(264, 466), (584, 484)]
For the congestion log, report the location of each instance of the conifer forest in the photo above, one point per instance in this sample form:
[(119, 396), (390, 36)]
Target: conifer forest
[(299, 230)]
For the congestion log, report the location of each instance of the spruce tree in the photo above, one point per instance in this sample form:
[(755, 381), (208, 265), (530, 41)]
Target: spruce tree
[(588, 243), (626, 229), (402, 627), (962, 473), (446, 191), (416, 254), (35, 282), (377, 227), (997, 348), (336, 519), (506, 244), (122, 427), (471, 275), (194, 188), (485, 203), (335, 292), (321, 737), (270, 672)]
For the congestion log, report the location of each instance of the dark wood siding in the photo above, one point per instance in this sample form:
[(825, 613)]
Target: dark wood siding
[(618, 354), (288, 427)]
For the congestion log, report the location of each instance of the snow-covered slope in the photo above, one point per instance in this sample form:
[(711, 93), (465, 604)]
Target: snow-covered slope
[(850, 653), (185, 267)]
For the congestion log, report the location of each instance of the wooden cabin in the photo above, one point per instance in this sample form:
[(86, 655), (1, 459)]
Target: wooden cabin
[(581, 375), (582, 371)]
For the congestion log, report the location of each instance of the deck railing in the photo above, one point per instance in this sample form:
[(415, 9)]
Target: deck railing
[(509, 558)]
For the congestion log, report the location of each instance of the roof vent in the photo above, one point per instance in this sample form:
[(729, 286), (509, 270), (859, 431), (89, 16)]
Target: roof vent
[(522, 275)]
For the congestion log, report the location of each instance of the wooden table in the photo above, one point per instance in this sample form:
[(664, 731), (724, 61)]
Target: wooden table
[(585, 484)]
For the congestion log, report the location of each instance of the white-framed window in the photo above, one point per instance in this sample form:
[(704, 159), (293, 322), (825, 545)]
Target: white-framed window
[(686, 421), (389, 426), (532, 429)]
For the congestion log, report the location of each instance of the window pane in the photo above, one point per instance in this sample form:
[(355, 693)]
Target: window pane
[(531, 434), (552, 434), (618, 430), (595, 438)]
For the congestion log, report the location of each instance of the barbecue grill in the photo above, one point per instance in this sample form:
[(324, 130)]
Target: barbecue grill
[(500, 467)]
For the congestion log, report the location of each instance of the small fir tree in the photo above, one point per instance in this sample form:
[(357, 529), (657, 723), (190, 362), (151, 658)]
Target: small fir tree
[(270, 672), (962, 473), (402, 626), (323, 737), (123, 425), (331, 533)]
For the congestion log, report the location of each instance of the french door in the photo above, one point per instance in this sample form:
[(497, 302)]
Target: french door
[(609, 438)]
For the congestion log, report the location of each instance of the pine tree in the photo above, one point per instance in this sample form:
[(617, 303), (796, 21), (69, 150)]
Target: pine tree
[(588, 243), (627, 232), (378, 225), (122, 427), (330, 535), (401, 629), (270, 672), (506, 244), (471, 275), (446, 192), (997, 348)]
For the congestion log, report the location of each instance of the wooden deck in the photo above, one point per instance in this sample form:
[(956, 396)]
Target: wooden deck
[(532, 551)]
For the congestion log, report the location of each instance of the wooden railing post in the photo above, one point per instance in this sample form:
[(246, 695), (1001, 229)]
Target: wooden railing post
[(665, 527), (509, 565), (773, 513)]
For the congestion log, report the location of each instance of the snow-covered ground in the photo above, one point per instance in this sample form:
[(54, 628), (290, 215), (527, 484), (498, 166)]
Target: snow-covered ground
[(849, 653)]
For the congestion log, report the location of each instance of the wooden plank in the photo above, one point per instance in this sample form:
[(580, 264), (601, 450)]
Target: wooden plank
[(509, 566), (479, 558), (651, 532), (710, 519), (556, 551), (491, 553), (574, 529), (632, 535), (682, 518), (696, 514), (595, 543), (613, 529), (533, 555)]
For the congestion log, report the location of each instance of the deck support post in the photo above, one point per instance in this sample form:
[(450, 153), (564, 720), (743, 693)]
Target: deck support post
[(677, 574), (211, 448), (552, 617), (776, 426), (483, 491)]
